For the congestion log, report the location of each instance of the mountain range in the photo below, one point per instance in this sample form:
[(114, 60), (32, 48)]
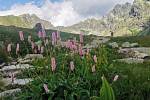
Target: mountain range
[(24, 21), (123, 19)]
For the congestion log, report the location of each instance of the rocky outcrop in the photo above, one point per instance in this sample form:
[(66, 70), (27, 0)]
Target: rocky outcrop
[(114, 45), (131, 60), (16, 67), (9, 92), (125, 19), (33, 56)]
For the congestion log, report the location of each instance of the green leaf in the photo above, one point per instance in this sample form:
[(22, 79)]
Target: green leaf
[(106, 92)]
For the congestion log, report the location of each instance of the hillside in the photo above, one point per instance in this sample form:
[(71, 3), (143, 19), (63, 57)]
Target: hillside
[(25, 21), (126, 19)]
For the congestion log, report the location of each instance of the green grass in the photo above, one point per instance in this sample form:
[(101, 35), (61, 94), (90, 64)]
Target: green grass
[(142, 40)]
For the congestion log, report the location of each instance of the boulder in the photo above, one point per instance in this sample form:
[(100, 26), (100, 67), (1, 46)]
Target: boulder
[(22, 81), (140, 55), (8, 81), (134, 45), (9, 92), (24, 61), (131, 60), (33, 56), (114, 45), (1, 65), (126, 45), (16, 67)]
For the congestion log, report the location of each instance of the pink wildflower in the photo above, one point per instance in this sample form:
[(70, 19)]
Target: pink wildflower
[(9, 48), (21, 35), (80, 50), (54, 38), (46, 88), (95, 59), (53, 64), (39, 34), (17, 48), (81, 38), (32, 45)]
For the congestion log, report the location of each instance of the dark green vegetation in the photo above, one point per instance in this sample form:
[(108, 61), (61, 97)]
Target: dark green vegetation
[(82, 83), (142, 40), (10, 34)]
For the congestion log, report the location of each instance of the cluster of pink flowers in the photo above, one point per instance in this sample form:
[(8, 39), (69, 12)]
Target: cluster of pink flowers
[(70, 44)]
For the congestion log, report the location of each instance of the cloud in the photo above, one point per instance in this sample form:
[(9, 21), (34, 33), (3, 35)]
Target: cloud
[(64, 13)]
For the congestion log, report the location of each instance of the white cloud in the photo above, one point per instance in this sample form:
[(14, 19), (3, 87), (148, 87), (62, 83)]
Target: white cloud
[(64, 13)]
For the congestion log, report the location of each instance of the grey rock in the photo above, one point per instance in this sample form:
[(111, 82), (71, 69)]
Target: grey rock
[(131, 60), (134, 45), (9, 92), (8, 81), (114, 45), (33, 56), (16, 67), (126, 45)]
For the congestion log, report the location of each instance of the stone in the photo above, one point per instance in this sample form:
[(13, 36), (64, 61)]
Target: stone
[(33, 56), (9, 92), (1, 65), (8, 81), (126, 45), (16, 67), (140, 55), (114, 45), (131, 60), (13, 63), (22, 81), (134, 45), (8, 74), (22, 61)]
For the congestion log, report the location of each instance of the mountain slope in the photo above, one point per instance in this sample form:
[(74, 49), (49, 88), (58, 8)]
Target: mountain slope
[(126, 19), (25, 21)]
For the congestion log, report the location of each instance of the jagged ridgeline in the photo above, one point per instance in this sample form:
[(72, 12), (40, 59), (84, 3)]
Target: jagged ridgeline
[(25, 21), (125, 19)]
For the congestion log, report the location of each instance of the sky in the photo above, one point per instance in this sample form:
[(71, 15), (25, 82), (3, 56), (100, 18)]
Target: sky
[(59, 12)]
